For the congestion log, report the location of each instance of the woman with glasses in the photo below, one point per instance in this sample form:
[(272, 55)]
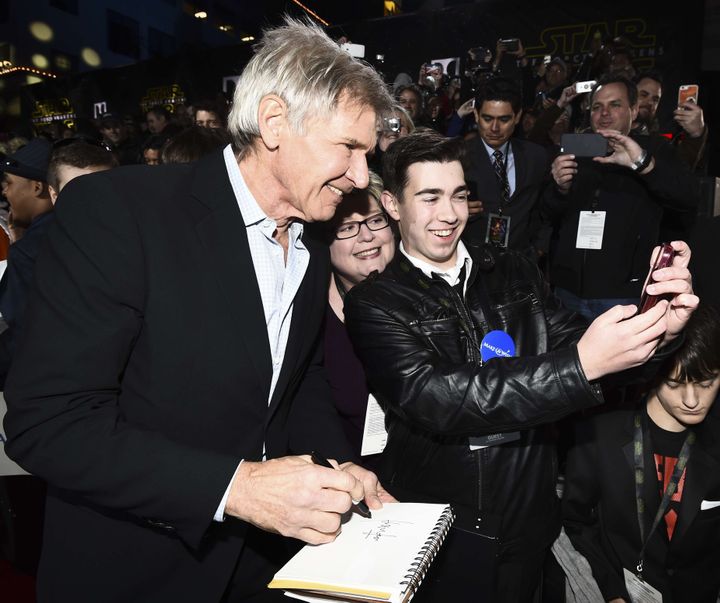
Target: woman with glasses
[(362, 241)]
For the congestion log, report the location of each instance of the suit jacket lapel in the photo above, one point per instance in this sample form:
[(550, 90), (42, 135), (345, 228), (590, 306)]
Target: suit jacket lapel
[(701, 466), (298, 345), (221, 230), (520, 167)]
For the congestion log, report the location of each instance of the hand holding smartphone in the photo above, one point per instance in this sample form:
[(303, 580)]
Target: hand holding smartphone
[(664, 260)]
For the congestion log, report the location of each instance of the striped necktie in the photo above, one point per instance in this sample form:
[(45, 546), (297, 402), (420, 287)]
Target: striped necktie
[(501, 174)]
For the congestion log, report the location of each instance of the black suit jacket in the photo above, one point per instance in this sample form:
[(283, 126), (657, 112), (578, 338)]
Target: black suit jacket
[(531, 171), (600, 516), (15, 286), (144, 378)]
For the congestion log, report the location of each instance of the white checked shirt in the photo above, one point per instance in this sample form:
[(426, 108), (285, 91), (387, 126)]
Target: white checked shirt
[(278, 282)]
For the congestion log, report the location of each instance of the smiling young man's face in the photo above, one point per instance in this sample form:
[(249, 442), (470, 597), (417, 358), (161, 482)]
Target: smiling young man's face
[(432, 213)]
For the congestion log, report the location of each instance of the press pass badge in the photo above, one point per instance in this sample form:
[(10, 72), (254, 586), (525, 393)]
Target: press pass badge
[(591, 227), (639, 590), (498, 230), (497, 344)]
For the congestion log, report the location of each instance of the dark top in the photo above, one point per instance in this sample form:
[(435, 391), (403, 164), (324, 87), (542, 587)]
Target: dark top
[(705, 242), (600, 512), (15, 286), (634, 204), (347, 379)]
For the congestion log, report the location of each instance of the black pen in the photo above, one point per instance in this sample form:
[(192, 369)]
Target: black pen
[(360, 504)]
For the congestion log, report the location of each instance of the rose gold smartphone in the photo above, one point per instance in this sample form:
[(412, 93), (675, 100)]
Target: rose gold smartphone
[(663, 260)]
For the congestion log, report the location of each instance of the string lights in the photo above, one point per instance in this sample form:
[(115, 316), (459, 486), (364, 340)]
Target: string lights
[(40, 72), (311, 13)]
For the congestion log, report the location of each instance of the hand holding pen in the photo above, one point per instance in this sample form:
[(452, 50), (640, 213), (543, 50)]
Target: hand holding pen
[(359, 504)]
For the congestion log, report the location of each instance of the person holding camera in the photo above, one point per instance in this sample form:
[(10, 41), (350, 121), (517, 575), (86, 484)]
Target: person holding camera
[(609, 207)]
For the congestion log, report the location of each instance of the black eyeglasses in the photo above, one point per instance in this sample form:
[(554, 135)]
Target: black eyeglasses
[(348, 230)]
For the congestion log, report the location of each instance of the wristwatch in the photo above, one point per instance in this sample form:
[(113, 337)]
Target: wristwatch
[(642, 162)]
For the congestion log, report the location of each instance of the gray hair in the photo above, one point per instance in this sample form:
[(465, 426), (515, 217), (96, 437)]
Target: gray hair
[(303, 66)]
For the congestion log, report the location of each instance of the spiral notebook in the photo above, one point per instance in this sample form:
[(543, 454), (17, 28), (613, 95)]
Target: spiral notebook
[(380, 559)]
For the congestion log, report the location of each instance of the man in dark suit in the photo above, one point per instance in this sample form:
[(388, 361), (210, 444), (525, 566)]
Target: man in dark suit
[(506, 174), (171, 360), (669, 428), (24, 185)]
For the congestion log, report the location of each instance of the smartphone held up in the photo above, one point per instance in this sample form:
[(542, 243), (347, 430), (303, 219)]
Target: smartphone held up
[(664, 259), (688, 93)]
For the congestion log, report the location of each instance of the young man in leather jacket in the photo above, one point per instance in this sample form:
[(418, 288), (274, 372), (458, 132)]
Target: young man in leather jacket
[(466, 428)]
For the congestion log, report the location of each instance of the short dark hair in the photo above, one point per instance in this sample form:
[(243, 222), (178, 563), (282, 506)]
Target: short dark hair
[(192, 143), (423, 145), (78, 154), (154, 142), (698, 357), (211, 107), (159, 111), (499, 89), (612, 78), (648, 75)]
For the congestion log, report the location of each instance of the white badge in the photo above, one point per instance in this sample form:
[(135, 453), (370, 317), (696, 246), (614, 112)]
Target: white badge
[(639, 590), (590, 230), (374, 432)]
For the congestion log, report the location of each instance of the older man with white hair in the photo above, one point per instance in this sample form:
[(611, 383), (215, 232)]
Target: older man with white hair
[(171, 363)]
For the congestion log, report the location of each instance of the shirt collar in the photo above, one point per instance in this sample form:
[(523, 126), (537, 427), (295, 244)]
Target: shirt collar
[(505, 149), (251, 212), (450, 275)]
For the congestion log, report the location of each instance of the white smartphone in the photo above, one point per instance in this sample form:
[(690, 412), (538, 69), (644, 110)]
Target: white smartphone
[(586, 86)]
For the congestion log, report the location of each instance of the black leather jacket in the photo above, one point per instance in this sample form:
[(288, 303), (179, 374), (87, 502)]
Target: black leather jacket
[(420, 347)]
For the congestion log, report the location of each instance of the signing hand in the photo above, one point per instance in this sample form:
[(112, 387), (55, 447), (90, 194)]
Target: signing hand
[(375, 494), (475, 207), (293, 497)]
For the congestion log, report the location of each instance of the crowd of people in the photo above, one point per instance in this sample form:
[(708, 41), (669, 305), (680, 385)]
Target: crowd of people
[(178, 339)]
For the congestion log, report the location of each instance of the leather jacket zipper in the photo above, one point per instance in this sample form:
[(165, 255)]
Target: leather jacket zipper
[(476, 357)]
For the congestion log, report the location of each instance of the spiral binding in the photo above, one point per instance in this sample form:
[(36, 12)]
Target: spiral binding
[(419, 567)]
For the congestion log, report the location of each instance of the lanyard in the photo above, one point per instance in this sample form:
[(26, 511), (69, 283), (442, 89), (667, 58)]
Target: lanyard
[(640, 479)]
